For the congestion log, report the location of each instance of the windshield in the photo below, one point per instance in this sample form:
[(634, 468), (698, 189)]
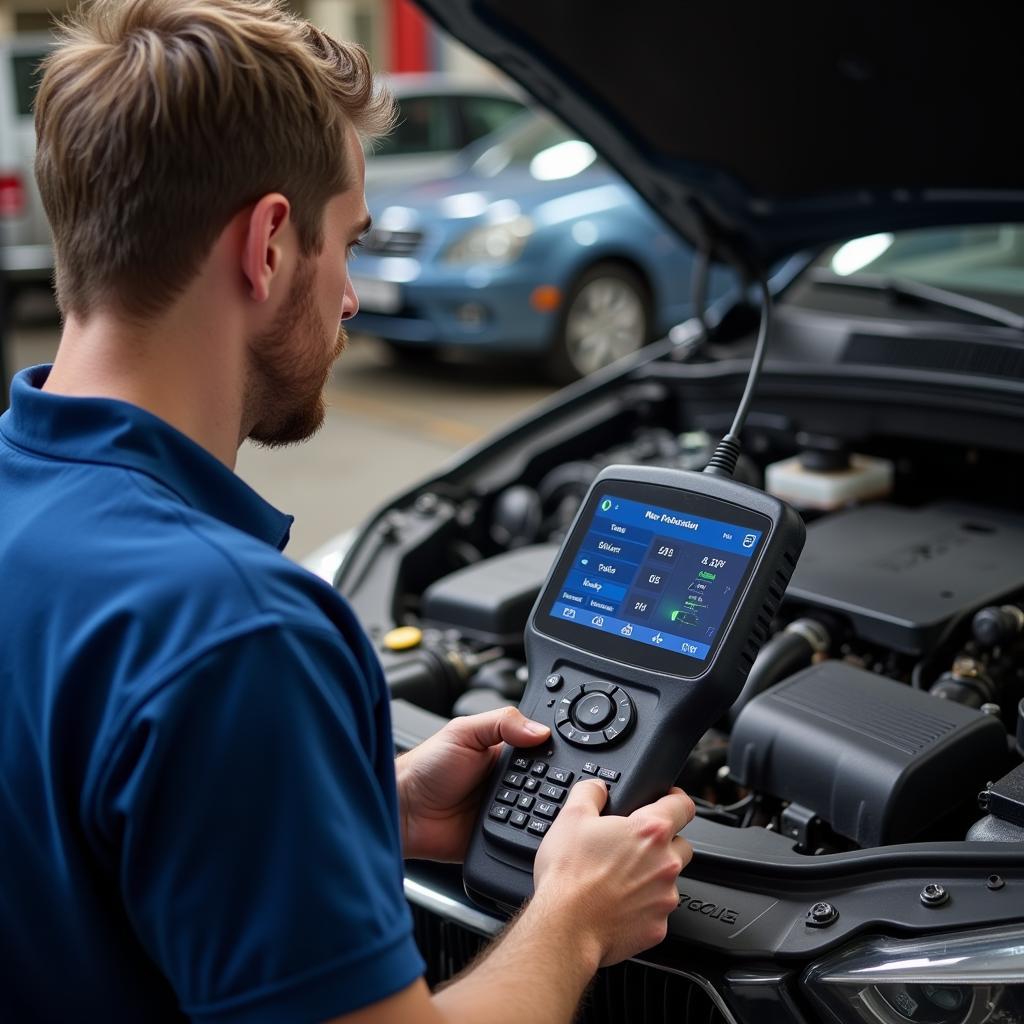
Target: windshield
[(544, 146), (974, 259)]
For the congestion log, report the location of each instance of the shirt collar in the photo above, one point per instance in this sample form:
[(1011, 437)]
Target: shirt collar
[(115, 433)]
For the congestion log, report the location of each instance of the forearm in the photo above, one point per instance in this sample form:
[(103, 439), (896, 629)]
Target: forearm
[(538, 971)]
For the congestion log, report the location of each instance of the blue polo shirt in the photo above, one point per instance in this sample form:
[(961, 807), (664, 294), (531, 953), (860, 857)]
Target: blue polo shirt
[(198, 814)]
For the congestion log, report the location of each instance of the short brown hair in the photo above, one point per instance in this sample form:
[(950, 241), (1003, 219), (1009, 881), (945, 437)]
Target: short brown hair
[(159, 120)]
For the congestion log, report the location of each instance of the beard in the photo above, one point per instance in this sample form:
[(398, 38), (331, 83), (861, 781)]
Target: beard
[(290, 365)]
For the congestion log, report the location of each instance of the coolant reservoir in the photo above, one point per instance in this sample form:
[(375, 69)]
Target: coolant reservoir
[(816, 480)]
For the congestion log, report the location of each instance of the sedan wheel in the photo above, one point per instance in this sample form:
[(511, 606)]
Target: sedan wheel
[(606, 317)]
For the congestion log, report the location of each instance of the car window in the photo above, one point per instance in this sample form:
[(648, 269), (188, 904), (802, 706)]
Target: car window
[(972, 258), (424, 126), (26, 81), (482, 115)]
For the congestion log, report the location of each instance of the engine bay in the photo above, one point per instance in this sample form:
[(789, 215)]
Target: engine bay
[(886, 704)]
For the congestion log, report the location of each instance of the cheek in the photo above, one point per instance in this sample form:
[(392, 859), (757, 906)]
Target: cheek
[(331, 297)]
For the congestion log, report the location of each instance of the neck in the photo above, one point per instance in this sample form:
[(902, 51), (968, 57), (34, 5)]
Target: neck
[(187, 367)]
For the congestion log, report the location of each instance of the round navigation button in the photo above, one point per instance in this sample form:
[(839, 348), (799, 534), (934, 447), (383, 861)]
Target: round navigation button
[(593, 710)]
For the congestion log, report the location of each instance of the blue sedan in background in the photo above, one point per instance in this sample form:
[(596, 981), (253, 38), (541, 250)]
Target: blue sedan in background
[(534, 246)]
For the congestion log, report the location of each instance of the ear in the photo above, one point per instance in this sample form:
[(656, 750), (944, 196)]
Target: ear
[(264, 243)]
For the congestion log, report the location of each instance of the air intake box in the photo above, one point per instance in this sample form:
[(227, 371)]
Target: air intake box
[(877, 760)]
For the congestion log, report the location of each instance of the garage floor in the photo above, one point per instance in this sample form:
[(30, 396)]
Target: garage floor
[(388, 425)]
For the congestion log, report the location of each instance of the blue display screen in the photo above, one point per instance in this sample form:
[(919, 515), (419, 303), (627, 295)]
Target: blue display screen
[(655, 576)]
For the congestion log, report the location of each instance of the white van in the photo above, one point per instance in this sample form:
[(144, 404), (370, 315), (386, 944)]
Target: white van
[(26, 253)]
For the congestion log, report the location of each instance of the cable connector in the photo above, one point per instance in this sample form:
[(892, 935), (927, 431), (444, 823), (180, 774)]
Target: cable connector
[(727, 453)]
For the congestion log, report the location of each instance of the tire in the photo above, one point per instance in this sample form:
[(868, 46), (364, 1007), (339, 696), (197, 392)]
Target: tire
[(606, 316)]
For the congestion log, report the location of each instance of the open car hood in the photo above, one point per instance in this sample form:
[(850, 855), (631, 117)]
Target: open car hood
[(765, 129)]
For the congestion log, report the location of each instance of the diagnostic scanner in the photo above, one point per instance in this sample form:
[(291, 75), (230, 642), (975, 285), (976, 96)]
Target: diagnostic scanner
[(658, 602)]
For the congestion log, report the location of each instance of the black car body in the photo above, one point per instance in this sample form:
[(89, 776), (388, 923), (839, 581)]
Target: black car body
[(845, 870)]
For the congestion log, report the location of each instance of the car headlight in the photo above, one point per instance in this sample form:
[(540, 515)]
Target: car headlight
[(964, 978), (492, 243)]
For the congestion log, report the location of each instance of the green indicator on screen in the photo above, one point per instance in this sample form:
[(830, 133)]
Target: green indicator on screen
[(605, 505), (706, 575)]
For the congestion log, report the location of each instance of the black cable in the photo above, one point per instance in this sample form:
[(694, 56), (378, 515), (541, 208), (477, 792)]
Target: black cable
[(723, 462)]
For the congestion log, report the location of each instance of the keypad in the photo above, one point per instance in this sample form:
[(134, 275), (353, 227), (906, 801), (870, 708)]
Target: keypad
[(531, 795)]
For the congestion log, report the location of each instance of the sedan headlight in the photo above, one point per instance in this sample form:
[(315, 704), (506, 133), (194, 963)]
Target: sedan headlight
[(492, 243), (965, 978)]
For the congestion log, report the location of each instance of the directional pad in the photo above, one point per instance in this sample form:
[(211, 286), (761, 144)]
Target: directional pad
[(594, 714)]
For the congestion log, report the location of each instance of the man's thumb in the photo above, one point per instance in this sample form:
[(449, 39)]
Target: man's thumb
[(589, 795)]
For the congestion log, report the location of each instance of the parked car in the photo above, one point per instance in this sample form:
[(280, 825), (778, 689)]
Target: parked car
[(26, 253), (845, 868), (439, 115), (536, 247)]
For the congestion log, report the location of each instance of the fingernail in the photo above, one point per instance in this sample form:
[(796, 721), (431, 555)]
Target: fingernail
[(536, 728)]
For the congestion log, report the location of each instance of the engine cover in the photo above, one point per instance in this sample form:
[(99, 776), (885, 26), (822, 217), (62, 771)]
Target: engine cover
[(901, 574), (877, 760)]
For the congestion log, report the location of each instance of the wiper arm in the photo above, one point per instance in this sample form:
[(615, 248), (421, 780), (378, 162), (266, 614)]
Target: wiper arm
[(903, 290)]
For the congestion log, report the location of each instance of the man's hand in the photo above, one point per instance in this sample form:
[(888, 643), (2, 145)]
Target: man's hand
[(615, 876), (440, 782)]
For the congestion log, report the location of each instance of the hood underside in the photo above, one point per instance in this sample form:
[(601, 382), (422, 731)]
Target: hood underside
[(765, 129)]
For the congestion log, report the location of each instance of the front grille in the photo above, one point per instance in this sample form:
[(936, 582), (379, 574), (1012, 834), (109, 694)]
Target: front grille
[(628, 993), (381, 242)]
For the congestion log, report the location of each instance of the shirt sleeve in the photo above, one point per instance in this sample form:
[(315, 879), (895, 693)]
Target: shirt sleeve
[(251, 812)]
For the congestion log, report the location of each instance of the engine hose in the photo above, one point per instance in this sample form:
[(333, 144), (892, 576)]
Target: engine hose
[(785, 653)]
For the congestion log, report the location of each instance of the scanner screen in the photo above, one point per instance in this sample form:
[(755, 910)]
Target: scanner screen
[(653, 575)]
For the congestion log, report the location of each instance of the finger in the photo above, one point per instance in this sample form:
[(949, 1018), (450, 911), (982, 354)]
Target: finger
[(675, 807), (478, 732), (588, 795), (683, 850)]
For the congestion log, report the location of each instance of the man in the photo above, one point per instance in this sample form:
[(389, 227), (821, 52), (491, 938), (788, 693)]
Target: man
[(199, 813)]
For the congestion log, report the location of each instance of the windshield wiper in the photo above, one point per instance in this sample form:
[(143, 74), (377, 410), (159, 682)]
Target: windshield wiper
[(903, 290)]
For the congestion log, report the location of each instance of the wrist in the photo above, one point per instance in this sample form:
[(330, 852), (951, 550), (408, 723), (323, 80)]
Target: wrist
[(568, 921), (402, 786)]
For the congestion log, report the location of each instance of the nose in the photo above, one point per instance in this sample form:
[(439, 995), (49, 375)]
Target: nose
[(350, 306)]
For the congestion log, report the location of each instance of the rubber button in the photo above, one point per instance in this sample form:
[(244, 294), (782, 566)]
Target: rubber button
[(593, 710), (553, 681), (403, 638)]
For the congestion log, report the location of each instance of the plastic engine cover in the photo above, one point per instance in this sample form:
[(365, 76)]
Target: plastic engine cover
[(491, 600), (877, 760)]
